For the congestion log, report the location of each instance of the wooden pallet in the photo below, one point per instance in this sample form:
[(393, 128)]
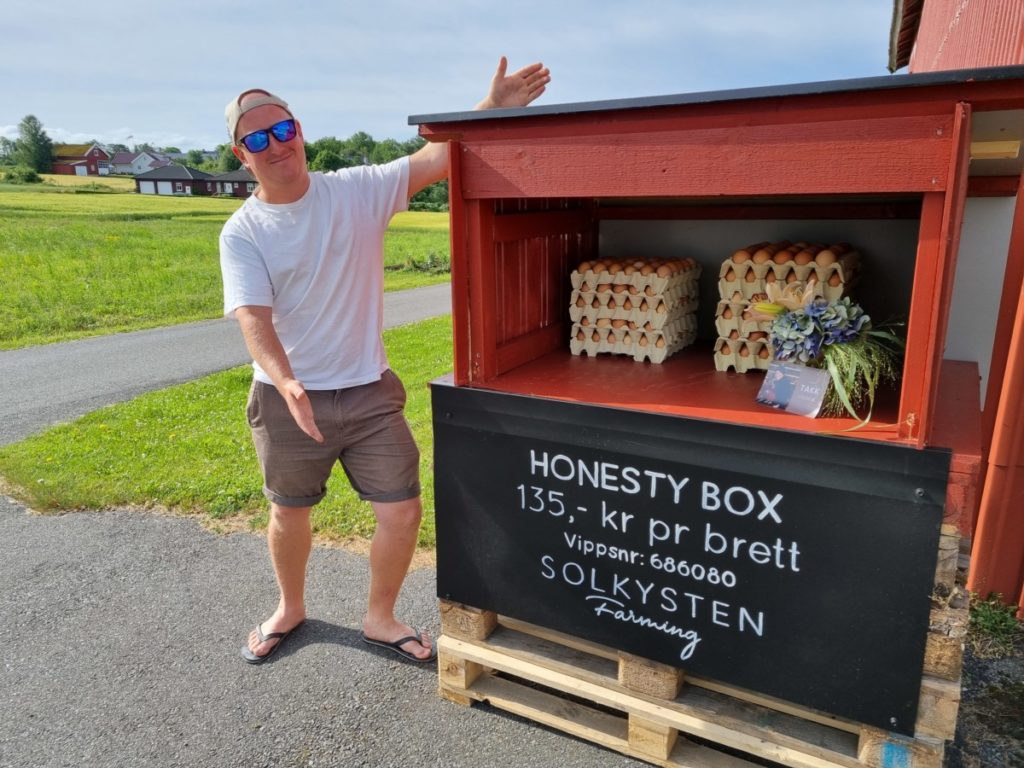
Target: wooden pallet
[(655, 713)]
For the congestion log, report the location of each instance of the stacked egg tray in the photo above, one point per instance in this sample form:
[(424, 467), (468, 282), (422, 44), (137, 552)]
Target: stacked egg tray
[(644, 308), (743, 342)]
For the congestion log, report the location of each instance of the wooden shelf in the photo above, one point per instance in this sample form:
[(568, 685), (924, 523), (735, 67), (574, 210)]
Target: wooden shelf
[(686, 384)]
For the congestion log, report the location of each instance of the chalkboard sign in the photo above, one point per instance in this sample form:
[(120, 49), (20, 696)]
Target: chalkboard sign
[(795, 565)]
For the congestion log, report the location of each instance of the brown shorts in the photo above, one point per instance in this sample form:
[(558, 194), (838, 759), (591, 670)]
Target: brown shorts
[(363, 428)]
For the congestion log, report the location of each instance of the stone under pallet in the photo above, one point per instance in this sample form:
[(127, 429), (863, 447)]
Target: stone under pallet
[(656, 713)]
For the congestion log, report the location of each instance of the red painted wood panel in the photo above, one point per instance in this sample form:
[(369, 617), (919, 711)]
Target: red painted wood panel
[(844, 156), (967, 34), (459, 237)]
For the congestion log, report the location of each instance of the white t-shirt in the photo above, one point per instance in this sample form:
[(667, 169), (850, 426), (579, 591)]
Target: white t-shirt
[(319, 263)]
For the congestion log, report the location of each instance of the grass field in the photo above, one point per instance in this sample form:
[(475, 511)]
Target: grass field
[(77, 263), (188, 449)]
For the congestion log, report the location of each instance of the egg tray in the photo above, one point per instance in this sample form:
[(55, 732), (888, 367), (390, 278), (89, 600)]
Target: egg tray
[(660, 285), (613, 343), (750, 279), (606, 291), (755, 360), (609, 309), (675, 325), (743, 325)]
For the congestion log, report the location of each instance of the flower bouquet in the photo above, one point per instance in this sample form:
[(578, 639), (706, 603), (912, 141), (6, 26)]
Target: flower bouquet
[(835, 335)]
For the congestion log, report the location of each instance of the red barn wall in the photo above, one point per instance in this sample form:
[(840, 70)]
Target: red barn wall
[(969, 34)]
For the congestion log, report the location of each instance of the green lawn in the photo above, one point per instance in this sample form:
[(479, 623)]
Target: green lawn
[(75, 264), (188, 449)]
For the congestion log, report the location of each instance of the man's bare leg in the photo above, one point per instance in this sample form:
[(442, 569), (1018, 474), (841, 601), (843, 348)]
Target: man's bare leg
[(391, 551), (289, 539)]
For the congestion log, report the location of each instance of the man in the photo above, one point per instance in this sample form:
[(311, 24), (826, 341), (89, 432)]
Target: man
[(302, 262)]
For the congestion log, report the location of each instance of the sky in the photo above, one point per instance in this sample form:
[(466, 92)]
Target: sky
[(134, 72)]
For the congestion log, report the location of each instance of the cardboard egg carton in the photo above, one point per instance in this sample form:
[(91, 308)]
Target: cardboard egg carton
[(744, 280), (638, 309), (729, 354), (685, 280), (654, 346), (740, 320)]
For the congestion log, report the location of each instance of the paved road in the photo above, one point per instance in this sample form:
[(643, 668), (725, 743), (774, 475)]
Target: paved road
[(40, 386), (119, 631)]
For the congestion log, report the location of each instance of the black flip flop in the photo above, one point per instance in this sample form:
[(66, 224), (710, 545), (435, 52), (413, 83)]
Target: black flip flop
[(252, 658), (397, 647)]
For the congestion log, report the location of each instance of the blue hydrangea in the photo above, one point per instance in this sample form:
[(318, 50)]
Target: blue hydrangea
[(802, 334)]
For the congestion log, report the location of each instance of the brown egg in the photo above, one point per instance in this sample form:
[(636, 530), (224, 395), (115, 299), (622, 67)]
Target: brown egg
[(744, 350), (627, 340), (627, 305), (580, 302), (825, 257), (791, 277), (646, 269), (757, 335), (750, 277), (599, 267), (595, 304), (835, 281), (759, 297), (604, 288), (764, 354), (596, 336), (604, 322), (584, 321), (611, 303), (614, 268), (660, 342), (740, 256), (643, 305), (803, 257), (618, 324), (664, 270), (734, 334), (770, 277), (639, 263), (782, 257), (633, 326), (727, 313), (812, 278), (662, 308), (737, 297), (648, 326), (584, 266), (620, 288), (725, 349), (762, 256), (629, 269), (580, 336), (634, 290), (643, 341), (585, 288), (649, 290), (730, 275)]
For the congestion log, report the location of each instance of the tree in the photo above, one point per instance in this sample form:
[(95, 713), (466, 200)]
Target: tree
[(386, 151), (171, 150), (7, 149), (228, 161), (326, 160), (115, 148), (195, 158), (33, 148)]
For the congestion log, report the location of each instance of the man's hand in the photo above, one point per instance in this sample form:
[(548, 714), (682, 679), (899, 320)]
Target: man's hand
[(517, 89), (301, 409)]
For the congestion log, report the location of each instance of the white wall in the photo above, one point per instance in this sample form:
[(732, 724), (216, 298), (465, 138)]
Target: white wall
[(984, 242)]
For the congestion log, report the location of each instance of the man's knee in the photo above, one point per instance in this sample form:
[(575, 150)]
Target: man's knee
[(407, 513)]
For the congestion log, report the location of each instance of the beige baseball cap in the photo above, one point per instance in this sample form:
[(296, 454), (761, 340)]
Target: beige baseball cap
[(234, 110)]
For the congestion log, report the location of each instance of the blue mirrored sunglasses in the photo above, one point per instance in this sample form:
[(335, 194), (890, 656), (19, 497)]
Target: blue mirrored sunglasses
[(257, 141)]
